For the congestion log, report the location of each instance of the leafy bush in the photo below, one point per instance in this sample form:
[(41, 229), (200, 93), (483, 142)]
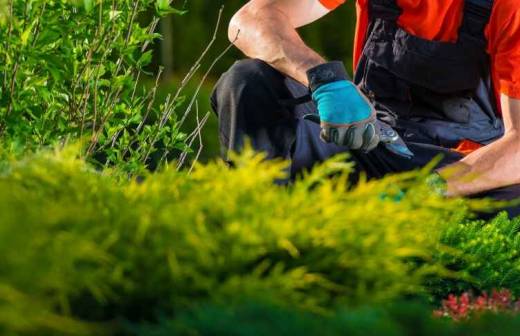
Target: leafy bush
[(488, 256), (82, 247), (70, 70)]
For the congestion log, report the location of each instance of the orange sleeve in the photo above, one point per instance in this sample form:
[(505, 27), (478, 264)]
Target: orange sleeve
[(361, 30), (503, 34), (332, 4)]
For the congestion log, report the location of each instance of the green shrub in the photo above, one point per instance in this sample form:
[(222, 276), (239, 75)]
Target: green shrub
[(84, 245), (488, 256), (82, 248), (70, 70)]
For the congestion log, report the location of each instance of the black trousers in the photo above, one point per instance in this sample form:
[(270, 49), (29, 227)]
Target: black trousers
[(251, 101)]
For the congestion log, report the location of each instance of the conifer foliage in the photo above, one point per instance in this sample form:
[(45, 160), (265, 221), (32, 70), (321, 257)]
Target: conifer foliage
[(82, 248)]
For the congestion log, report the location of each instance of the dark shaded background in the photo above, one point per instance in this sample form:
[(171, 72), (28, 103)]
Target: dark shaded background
[(186, 36)]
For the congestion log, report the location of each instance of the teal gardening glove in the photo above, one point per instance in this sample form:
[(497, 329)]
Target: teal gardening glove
[(346, 116)]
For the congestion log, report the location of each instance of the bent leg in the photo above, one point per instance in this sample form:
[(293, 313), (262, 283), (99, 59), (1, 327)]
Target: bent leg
[(246, 100), (250, 101), (511, 193)]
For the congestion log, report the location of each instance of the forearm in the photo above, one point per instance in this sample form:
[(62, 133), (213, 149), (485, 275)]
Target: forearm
[(494, 166), (267, 33)]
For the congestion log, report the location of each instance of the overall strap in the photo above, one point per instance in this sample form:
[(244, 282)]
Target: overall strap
[(476, 17), (384, 9)]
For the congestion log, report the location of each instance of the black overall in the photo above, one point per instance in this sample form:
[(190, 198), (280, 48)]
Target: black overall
[(433, 93)]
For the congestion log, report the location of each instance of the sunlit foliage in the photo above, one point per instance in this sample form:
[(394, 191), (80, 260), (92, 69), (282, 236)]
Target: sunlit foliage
[(70, 70), (79, 245)]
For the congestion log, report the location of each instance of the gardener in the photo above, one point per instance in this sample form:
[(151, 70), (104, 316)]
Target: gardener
[(445, 74)]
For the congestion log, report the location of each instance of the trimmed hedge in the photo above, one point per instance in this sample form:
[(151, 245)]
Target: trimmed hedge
[(83, 250)]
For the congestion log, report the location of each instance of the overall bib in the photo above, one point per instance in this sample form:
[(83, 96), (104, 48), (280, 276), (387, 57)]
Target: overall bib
[(435, 92)]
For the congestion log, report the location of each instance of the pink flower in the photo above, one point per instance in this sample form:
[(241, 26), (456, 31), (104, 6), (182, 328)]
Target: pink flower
[(466, 305)]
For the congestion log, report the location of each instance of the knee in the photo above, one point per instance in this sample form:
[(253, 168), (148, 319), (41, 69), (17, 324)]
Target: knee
[(247, 76), (249, 64), (250, 72)]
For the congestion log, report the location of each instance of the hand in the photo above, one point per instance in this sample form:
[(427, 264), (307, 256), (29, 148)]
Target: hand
[(347, 117)]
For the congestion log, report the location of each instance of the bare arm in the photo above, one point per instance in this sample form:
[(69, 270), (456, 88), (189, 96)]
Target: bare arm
[(266, 29), (494, 166)]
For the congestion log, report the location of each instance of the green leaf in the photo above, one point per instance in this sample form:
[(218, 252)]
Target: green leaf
[(88, 4), (25, 36), (145, 59), (114, 14), (163, 8), (162, 5)]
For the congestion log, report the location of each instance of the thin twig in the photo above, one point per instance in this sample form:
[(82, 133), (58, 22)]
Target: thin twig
[(7, 41), (93, 50), (113, 98), (11, 90), (150, 103), (73, 106), (164, 158), (94, 106), (95, 136), (184, 155), (38, 25), (194, 68), (189, 139), (84, 111), (138, 76), (152, 28), (16, 66), (100, 14), (208, 47), (203, 80), (199, 152), (128, 35), (169, 109), (197, 133), (147, 113)]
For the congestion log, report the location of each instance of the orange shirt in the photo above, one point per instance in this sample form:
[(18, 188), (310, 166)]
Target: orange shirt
[(441, 19)]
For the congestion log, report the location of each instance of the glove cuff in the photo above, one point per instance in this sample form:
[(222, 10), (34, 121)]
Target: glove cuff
[(326, 73)]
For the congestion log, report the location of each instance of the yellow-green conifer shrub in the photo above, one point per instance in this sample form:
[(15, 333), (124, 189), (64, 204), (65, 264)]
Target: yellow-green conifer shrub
[(81, 247)]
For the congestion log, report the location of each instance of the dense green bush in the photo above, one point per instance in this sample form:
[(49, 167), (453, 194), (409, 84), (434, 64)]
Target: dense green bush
[(70, 70), (488, 256), (82, 249)]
